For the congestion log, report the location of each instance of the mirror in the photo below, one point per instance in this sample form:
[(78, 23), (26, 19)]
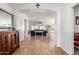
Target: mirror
[(6, 20), (77, 20)]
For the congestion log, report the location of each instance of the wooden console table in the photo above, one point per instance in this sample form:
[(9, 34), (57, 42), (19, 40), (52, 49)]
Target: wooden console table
[(9, 42)]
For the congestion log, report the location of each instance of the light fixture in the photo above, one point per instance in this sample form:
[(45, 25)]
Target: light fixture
[(37, 5), (38, 22)]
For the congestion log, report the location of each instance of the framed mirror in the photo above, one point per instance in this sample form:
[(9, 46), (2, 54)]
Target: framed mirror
[(77, 20), (6, 20)]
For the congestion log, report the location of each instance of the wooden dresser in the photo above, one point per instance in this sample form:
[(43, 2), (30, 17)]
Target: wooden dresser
[(9, 42), (76, 40)]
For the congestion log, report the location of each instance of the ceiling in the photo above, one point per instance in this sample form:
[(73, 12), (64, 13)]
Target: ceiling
[(40, 15), (34, 14), (43, 14)]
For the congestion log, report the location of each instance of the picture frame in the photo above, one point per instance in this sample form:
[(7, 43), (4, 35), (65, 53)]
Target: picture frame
[(77, 20)]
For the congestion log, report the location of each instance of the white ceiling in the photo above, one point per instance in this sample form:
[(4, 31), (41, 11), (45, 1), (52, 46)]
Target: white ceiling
[(38, 13), (20, 6), (46, 11)]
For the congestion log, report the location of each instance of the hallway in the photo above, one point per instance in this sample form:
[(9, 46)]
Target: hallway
[(38, 46)]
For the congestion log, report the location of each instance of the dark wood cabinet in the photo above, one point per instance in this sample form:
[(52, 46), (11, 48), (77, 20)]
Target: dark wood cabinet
[(76, 40), (9, 42)]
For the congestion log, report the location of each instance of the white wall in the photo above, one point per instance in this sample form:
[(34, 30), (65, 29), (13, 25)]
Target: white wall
[(19, 23), (67, 28), (76, 13)]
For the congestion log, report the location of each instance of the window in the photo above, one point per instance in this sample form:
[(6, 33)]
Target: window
[(44, 27), (38, 27), (34, 27)]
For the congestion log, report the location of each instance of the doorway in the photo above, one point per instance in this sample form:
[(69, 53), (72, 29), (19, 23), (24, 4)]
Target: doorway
[(26, 27)]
